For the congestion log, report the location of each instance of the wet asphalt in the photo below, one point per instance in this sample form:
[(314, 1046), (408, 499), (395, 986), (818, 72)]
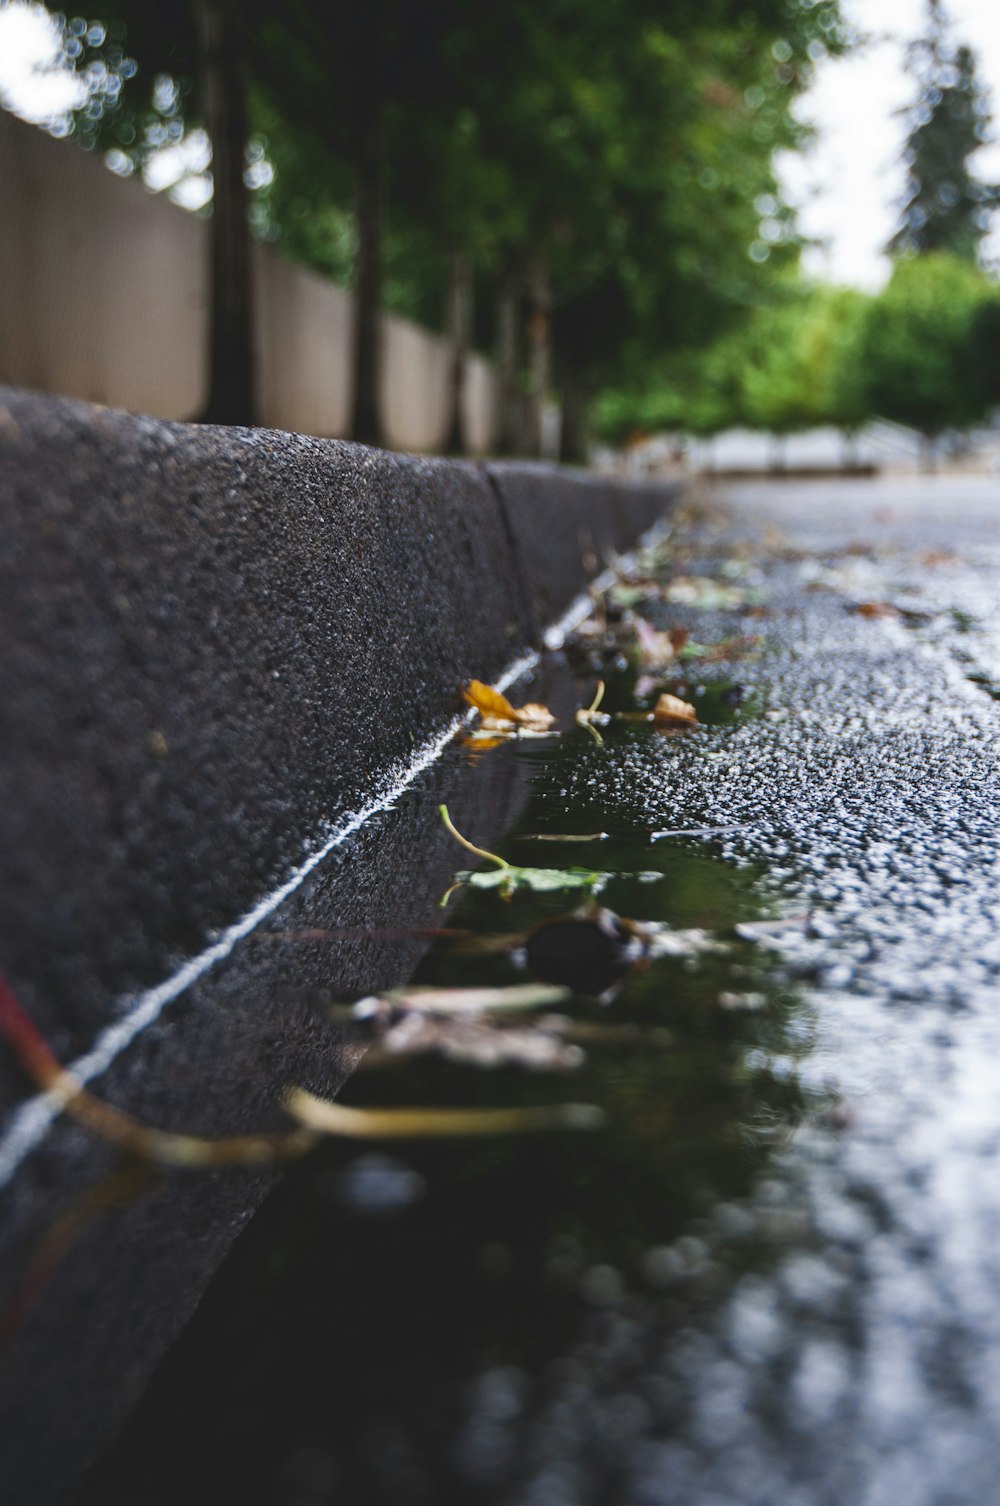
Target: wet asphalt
[(861, 1364)]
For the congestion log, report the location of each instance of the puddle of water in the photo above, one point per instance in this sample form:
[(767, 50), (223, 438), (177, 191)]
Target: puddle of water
[(379, 1302)]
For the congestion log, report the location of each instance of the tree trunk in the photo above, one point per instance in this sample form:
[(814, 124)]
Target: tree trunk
[(459, 328), (231, 382), (506, 424), (367, 356), (573, 418), (539, 355)]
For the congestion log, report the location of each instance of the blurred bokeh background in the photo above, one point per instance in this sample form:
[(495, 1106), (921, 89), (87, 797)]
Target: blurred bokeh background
[(558, 227)]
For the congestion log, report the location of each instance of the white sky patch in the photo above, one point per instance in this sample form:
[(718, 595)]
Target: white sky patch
[(182, 169), (849, 186), (34, 82)]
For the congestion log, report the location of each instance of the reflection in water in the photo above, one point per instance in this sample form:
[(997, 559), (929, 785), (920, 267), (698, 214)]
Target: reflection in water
[(585, 953), (417, 1356)]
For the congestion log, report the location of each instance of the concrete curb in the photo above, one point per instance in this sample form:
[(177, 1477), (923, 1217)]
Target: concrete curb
[(217, 644), (219, 647)]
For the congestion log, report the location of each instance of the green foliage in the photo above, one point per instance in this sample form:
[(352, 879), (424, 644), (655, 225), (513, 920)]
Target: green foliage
[(923, 345), (626, 149), (794, 363), (802, 365), (923, 352)]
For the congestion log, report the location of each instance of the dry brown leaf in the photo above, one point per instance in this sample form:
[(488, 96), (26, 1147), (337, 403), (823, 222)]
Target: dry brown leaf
[(533, 715), (654, 648), (673, 711), (875, 609), (480, 1043)]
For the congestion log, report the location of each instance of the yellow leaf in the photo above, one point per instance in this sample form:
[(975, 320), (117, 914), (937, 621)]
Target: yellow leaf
[(497, 712), (492, 705)]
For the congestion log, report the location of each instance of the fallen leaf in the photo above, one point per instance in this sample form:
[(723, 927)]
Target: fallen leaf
[(478, 1043), (507, 878), (713, 653), (534, 716), (628, 594), (589, 715), (565, 836), (326, 1118), (425, 999), (654, 649), (492, 705), (696, 831), (670, 709), (874, 609), (710, 595), (315, 1116), (537, 880), (497, 714)]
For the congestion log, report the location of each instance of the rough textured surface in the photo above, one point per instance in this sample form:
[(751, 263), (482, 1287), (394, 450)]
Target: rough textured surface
[(217, 645), (87, 1335)]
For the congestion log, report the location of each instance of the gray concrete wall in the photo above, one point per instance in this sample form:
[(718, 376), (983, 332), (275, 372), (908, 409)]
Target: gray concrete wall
[(104, 296)]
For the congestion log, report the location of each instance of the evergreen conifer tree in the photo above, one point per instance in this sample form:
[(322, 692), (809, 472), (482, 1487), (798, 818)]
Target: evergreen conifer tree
[(947, 207)]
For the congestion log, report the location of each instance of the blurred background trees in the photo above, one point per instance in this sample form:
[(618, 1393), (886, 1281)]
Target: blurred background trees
[(924, 351), (584, 191)]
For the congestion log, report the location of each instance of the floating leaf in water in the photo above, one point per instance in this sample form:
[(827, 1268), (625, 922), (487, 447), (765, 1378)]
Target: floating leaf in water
[(588, 715), (498, 715), (426, 999), (507, 878), (538, 880), (566, 836), (315, 1116), (672, 711), (326, 1118), (482, 1042)]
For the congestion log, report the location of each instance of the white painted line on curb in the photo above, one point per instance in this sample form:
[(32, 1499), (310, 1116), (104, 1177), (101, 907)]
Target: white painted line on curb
[(30, 1123)]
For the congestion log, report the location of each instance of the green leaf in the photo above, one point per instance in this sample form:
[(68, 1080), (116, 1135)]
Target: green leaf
[(539, 880)]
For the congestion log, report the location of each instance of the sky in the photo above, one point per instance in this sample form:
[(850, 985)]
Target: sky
[(847, 187)]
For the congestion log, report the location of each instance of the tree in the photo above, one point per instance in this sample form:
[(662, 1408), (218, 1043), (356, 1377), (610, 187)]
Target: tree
[(202, 49), (603, 165), (946, 207), (920, 346)]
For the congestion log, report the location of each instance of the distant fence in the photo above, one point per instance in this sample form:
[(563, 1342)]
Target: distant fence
[(104, 296)]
